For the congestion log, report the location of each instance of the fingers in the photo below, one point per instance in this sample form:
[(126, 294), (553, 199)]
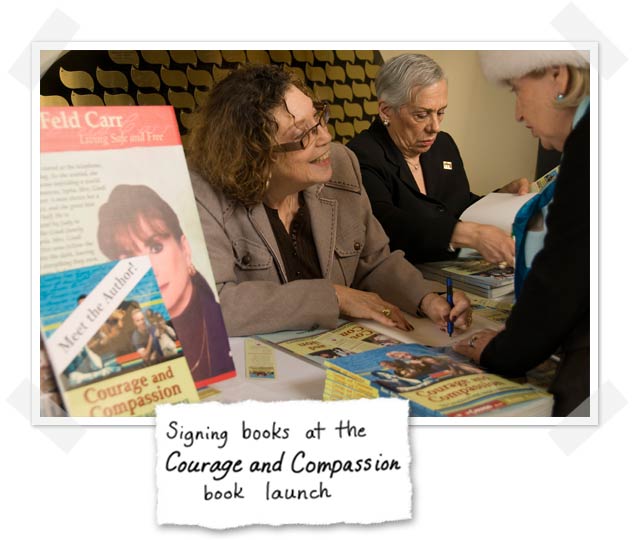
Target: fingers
[(519, 186), (389, 315), (496, 245), (474, 346), (461, 314), (366, 305), (436, 308), (523, 186)]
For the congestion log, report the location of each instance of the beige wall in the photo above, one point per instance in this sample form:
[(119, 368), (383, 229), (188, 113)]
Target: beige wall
[(494, 147)]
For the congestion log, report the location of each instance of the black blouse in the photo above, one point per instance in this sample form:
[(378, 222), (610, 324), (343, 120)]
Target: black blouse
[(297, 247)]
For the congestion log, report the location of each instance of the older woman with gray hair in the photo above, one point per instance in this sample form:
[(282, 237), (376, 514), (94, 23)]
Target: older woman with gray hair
[(552, 312), (413, 172)]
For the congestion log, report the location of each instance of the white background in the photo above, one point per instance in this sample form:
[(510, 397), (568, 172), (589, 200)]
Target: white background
[(479, 482)]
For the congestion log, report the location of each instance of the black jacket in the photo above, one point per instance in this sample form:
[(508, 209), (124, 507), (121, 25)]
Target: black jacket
[(420, 225), (553, 309)]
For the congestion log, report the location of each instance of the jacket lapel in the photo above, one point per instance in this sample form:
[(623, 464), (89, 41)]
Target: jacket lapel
[(259, 219), (323, 214)]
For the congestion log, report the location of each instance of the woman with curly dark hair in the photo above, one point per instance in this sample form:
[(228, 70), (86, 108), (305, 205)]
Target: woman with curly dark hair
[(287, 224)]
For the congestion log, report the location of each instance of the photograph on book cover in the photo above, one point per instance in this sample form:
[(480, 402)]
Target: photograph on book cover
[(132, 359), (181, 74)]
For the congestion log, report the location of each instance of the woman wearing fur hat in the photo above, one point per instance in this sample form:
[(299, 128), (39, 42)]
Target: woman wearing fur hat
[(552, 311)]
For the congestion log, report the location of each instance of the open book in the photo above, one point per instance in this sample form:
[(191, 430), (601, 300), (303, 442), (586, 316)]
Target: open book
[(500, 209)]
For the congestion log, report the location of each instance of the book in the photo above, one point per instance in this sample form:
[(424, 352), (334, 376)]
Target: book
[(110, 342), (544, 180), (318, 345), (491, 309), (114, 184), (500, 209), (437, 382), (472, 274)]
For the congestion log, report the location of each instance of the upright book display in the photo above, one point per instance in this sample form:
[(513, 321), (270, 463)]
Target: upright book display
[(110, 356), (114, 184)]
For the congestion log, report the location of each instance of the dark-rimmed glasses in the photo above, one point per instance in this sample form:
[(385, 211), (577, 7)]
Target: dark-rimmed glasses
[(308, 135)]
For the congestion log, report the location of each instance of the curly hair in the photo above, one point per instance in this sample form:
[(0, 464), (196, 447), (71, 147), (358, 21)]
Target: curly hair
[(233, 132)]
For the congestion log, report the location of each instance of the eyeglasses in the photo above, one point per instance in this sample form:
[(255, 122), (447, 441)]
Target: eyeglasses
[(308, 135)]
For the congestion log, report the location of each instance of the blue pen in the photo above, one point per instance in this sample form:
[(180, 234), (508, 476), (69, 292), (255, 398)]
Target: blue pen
[(448, 297)]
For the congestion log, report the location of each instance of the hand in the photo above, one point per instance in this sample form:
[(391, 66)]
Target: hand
[(519, 186), (368, 305), (438, 310), (494, 244), (474, 346)]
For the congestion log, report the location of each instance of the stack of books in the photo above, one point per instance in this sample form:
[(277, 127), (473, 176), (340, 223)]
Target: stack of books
[(435, 381), (473, 275)]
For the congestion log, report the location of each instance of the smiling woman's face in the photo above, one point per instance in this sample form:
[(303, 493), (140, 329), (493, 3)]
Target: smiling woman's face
[(312, 165)]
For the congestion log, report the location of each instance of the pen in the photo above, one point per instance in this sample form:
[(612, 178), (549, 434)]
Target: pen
[(448, 297)]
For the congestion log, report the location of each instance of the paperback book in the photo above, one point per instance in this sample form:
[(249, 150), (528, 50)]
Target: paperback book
[(493, 310), (112, 348), (435, 380), (474, 275), (114, 184), (319, 345)]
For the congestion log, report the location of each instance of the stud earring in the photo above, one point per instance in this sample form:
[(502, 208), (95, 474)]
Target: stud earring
[(386, 122), (559, 97)]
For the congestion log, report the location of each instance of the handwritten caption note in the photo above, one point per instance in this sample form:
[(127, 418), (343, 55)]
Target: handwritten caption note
[(308, 462)]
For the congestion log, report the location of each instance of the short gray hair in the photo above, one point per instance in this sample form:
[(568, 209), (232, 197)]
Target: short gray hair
[(399, 75)]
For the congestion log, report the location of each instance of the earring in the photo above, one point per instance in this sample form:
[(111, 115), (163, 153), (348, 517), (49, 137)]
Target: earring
[(559, 97), (192, 270), (386, 122)]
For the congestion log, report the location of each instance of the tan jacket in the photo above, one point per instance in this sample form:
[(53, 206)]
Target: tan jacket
[(352, 248)]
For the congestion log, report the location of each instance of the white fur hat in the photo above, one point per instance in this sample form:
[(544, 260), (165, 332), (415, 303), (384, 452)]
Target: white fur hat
[(499, 66)]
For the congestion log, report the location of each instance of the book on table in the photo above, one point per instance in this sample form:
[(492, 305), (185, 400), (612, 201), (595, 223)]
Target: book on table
[(435, 380), (318, 345), (472, 274), (114, 184)]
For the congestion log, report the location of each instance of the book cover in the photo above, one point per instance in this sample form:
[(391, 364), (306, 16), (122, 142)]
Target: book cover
[(114, 184), (439, 382), (319, 345), (109, 338)]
